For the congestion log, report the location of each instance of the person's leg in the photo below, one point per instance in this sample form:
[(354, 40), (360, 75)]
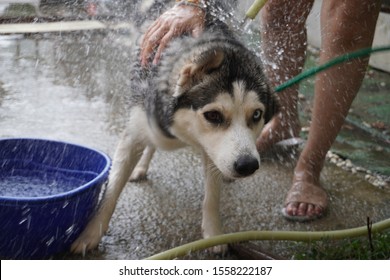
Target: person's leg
[(346, 26), (283, 38)]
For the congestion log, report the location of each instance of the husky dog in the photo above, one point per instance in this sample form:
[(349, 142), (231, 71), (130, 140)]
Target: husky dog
[(208, 92)]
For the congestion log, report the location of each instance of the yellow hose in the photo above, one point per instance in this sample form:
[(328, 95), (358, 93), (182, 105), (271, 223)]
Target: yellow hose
[(255, 8), (268, 235)]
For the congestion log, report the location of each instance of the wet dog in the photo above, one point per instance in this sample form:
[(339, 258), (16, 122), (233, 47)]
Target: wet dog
[(208, 92)]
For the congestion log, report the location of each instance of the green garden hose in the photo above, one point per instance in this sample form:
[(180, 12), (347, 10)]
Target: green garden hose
[(348, 56)]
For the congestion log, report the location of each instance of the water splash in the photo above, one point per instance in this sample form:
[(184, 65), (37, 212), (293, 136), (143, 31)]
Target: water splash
[(50, 241), (70, 230)]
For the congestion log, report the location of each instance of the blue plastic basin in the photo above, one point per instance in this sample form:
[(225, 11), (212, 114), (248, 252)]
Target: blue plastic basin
[(48, 192)]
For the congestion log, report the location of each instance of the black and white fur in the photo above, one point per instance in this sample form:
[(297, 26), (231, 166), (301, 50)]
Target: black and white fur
[(208, 92)]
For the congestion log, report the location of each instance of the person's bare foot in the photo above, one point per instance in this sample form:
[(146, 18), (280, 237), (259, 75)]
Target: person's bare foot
[(306, 199)]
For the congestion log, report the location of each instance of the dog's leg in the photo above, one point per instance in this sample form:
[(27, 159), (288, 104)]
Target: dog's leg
[(140, 170), (211, 222), (126, 157)]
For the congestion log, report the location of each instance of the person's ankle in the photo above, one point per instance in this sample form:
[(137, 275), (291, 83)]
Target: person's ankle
[(307, 172)]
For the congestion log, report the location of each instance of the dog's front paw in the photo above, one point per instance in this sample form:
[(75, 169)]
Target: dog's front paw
[(89, 238), (138, 174), (219, 250)]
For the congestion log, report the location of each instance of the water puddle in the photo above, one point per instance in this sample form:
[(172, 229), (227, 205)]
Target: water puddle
[(63, 87)]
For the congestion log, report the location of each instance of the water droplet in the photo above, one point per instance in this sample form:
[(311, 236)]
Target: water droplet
[(70, 230), (50, 241)]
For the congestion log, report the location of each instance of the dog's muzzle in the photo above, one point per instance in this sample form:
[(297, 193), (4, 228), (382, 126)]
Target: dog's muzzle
[(246, 165)]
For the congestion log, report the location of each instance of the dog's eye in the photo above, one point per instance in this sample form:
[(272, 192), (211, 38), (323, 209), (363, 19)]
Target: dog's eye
[(213, 117), (257, 115)]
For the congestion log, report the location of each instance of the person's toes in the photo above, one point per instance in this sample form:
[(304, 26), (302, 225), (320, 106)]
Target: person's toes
[(302, 209), (318, 211), (305, 202), (292, 208), (311, 210)]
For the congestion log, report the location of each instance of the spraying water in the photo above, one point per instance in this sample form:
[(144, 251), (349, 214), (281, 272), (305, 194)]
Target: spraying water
[(70, 86)]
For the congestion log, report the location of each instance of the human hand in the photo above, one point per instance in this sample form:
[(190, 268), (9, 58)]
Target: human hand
[(178, 20)]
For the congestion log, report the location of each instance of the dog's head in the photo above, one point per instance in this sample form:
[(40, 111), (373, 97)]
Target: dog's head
[(223, 102)]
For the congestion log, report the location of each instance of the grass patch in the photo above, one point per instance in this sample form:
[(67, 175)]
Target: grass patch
[(19, 10), (349, 249)]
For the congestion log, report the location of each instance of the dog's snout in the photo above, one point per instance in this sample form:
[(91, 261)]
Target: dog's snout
[(246, 165)]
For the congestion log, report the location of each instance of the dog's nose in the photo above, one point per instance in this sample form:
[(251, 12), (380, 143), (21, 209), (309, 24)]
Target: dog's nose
[(246, 165)]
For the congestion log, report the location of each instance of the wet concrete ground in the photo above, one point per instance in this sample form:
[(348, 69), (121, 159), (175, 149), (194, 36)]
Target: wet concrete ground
[(70, 87)]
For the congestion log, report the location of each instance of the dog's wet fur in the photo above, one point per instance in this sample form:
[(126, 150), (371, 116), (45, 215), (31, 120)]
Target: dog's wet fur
[(208, 92)]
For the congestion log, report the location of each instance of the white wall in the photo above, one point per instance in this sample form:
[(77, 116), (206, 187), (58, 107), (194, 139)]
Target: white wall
[(382, 36)]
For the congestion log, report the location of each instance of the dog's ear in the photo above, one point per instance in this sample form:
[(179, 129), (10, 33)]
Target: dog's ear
[(273, 107), (208, 61), (196, 69)]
